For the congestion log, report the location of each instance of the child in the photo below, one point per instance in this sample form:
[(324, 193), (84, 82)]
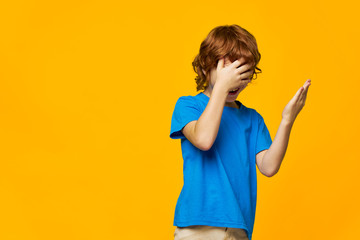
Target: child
[(222, 140)]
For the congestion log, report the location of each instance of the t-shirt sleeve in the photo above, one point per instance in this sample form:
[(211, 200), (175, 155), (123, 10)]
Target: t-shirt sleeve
[(186, 110), (264, 140)]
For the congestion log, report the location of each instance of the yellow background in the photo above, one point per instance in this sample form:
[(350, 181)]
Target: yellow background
[(87, 90)]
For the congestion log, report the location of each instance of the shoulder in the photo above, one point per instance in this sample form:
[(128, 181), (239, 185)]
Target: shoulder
[(186, 98), (187, 101), (190, 97)]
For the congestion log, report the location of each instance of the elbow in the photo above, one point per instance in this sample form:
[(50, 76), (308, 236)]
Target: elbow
[(205, 145), (270, 173), (266, 170), (203, 140)]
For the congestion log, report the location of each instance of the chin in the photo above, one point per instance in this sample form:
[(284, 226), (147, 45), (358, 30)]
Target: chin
[(231, 99), (233, 96)]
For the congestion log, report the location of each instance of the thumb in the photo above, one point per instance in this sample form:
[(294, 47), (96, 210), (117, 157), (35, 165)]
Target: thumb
[(220, 64)]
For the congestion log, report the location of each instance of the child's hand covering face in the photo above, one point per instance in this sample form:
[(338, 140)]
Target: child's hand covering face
[(233, 75)]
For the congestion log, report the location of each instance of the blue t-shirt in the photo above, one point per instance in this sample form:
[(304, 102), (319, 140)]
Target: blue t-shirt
[(220, 184)]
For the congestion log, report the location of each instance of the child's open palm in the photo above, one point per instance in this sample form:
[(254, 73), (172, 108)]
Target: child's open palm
[(295, 105)]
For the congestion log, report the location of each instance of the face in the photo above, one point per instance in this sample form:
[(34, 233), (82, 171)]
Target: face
[(230, 98)]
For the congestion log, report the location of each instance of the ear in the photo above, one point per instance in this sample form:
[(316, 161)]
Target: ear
[(203, 72)]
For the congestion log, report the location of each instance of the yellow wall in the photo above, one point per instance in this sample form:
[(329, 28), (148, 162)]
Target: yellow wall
[(87, 90)]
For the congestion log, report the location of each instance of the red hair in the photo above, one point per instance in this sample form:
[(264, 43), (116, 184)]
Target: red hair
[(230, 41)]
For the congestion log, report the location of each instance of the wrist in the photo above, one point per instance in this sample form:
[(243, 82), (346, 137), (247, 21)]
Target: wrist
[(287, 122), (220, 88), (219, 94)]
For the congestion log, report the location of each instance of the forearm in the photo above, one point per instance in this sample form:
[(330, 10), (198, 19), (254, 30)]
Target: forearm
[(273, 157), (207, 126)]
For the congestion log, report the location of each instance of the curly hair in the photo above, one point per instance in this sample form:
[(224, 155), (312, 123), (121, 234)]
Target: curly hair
[(230, 41)]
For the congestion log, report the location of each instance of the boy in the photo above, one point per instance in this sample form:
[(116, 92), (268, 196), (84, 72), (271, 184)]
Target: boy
[(222, 140)]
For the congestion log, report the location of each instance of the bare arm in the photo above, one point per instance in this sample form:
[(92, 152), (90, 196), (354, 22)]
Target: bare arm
[(202, 133), (272, 159)]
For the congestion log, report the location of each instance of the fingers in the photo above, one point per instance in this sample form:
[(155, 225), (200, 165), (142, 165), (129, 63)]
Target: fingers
[(220, 64), (244, 82), (297, 94), (306, 88), (307, 82), (238, 62), (244, 69), (247, 74)]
